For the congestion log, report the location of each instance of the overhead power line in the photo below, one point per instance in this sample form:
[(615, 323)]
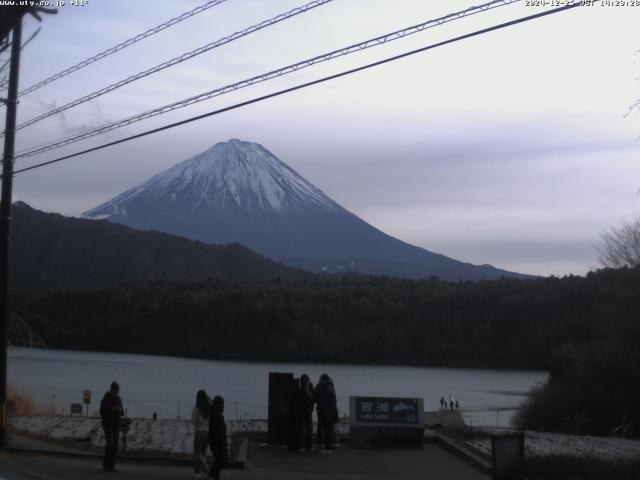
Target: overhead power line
[(120, 46), (178, 59), (305, 85), (388, 37)]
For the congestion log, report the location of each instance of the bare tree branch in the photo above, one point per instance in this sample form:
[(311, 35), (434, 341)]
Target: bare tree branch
[(620, 247)]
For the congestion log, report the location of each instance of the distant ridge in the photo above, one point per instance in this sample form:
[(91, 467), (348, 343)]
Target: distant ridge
[(49, 250), (238, 191)]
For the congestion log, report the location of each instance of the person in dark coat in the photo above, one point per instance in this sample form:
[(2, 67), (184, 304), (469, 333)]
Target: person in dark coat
[(327, 410), (217, 437), (334, 413), (200, 420), (111, 411), (307, 400)]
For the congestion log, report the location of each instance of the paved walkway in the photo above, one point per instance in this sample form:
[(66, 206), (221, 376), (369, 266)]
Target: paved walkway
[(355, 464), (265, 464), (26, 442), (34, 467)]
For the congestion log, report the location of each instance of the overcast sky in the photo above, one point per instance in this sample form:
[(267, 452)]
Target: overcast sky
[(510, 149)]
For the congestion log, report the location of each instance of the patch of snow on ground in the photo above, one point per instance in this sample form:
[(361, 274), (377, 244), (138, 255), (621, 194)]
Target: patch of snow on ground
[(163, 435), (545, 444)]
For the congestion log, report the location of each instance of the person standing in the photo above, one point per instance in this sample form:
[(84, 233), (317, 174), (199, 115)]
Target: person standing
[(307, 401), (200, 420), (327, 410), (317, 392), (111, 410), (334, 415), (217, 437)]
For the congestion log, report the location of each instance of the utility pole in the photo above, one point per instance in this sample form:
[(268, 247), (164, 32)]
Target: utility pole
[(5, 219)]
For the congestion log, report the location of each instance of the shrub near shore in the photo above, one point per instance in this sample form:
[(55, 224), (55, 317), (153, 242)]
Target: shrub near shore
[(19, 403), (594, 385), (592, 389)]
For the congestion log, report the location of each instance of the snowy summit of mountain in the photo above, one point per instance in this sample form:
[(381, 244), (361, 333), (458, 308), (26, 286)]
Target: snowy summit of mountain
[(233, 174), (239, 192)]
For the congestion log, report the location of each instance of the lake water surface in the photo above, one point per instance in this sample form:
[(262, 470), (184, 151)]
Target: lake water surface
[(167, 385)]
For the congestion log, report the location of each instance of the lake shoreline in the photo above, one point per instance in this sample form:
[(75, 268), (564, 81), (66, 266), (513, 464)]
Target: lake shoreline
[(285, 362), (167, 385)]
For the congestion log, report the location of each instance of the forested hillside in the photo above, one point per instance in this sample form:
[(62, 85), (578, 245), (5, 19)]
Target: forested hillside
[(501, 323), (50, 250)]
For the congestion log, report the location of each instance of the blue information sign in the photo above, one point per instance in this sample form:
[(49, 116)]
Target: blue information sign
[(388, 410)]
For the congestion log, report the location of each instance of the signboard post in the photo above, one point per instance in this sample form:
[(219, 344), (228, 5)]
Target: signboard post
[(86, 399), (386, 421)]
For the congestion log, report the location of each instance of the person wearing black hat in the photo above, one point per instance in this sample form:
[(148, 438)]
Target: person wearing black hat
[(111, 410)]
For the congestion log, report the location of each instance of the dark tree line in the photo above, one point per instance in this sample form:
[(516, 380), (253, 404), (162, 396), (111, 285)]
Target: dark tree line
[(501, 323)]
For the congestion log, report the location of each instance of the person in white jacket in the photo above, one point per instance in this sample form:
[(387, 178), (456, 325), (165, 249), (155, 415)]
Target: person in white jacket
[(200, 419)]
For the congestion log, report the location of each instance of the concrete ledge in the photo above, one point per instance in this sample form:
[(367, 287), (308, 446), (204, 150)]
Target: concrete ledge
[(235, 463), (444, 418), (56, 453), (156, 460), (463, 452)]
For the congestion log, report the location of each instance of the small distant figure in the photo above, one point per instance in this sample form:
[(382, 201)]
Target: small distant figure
[(442, 403), (457, 404), (450, 402), (200, 420), (111, 411), (307, 401), (154, 417), (217, 437)]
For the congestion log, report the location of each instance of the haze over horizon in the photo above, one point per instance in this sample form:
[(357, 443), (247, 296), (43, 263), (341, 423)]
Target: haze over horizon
[(509, 149)]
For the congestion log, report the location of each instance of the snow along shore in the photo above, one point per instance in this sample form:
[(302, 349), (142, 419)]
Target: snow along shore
[(537, 444), (175, 436), (171, 436)]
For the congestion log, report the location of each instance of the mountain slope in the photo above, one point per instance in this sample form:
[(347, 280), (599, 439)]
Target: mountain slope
[(49, 250), (240, 192)]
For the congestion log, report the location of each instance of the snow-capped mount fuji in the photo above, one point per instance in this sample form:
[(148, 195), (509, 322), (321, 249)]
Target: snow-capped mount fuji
[(238, 191), (233, 174)]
